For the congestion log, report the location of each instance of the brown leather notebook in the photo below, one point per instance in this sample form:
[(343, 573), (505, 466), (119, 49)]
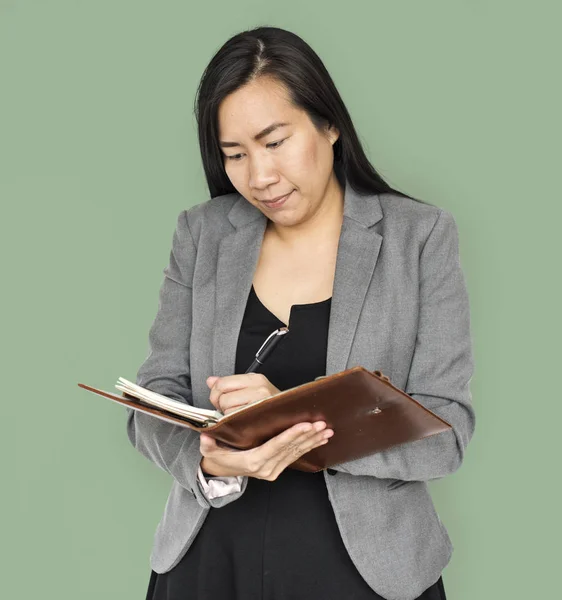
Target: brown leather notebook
[(367, 413)]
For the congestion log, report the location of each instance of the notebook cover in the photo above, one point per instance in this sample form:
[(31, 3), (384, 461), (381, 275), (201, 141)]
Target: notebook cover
[(367, 413)]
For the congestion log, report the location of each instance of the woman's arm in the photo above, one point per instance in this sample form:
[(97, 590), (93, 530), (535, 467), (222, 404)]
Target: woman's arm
[(441, 369), (166, 370)]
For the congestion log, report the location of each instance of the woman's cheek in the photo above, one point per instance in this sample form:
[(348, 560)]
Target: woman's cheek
[(300, 162)]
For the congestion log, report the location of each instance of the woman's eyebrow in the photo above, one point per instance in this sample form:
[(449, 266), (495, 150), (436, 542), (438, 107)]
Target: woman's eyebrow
[(258, 136)]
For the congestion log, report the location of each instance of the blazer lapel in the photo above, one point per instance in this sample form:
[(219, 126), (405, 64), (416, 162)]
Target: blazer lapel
[(358, 250), (237, 262)]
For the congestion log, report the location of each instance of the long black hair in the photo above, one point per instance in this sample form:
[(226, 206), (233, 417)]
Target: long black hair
[(287, 58)]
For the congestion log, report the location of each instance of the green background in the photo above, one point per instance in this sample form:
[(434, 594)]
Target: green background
[(456, 102)]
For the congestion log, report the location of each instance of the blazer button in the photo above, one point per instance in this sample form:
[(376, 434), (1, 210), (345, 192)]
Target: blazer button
[(331, 471)]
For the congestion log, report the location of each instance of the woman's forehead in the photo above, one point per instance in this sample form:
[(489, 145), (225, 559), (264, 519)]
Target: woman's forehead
[(254, 107)]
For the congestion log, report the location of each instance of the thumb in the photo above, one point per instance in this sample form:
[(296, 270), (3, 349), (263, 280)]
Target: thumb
[(211, 380), (206, 443)]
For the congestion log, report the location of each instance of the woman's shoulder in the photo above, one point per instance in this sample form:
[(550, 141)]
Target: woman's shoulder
[(216, 207), (399, 206), (210, 213), (410, 215)]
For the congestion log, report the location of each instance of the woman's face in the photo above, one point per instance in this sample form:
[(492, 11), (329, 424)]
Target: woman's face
[(264, 159)]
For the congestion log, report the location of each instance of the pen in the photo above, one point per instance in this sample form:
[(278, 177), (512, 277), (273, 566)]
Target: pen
[(267, 348)]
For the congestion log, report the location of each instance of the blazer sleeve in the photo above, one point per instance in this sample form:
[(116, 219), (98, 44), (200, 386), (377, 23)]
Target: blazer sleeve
[(441, 369), (166, 370)]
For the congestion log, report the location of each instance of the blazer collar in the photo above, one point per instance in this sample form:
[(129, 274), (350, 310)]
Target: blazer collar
[(238, 255)]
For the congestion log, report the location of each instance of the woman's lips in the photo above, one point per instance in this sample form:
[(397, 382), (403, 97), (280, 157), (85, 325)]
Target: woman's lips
[(279, 202)]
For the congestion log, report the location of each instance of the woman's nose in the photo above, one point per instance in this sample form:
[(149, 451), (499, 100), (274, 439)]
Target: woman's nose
[(262, 173)]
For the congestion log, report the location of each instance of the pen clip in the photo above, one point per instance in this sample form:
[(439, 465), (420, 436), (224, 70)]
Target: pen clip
[(281, 331)]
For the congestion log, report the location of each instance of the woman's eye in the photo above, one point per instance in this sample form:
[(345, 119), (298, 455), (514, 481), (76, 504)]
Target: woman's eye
[(272, 145), (275, 144)]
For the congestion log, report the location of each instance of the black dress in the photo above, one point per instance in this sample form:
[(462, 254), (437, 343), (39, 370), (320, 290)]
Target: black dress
[(279, 540)]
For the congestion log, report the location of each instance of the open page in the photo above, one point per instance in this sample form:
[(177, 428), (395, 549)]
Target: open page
[(182, 409)]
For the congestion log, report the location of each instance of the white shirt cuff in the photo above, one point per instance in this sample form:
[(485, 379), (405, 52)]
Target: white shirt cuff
[(219, 486)]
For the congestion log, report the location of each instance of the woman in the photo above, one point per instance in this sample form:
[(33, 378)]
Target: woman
[(363, 275)]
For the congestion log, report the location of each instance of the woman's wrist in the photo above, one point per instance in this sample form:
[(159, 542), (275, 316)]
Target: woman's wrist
[(210, 469), (206, 468)]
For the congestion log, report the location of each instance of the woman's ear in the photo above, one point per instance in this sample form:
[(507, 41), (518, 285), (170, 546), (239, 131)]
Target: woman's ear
[(333, 134)]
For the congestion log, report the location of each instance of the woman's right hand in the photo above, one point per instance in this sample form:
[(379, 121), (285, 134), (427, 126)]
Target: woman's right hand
[(267, 461)]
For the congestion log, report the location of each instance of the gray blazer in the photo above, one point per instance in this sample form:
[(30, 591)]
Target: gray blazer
[(399, 305)]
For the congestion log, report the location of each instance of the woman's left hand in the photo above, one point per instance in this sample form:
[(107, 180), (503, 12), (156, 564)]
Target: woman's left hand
[(233, 391)]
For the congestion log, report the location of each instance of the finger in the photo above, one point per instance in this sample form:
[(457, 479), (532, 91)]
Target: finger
[(278, 444), (320, 438), (223, 385), (231, 383), (294, 451), (232, 400), (262, 461), (303, 444)]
